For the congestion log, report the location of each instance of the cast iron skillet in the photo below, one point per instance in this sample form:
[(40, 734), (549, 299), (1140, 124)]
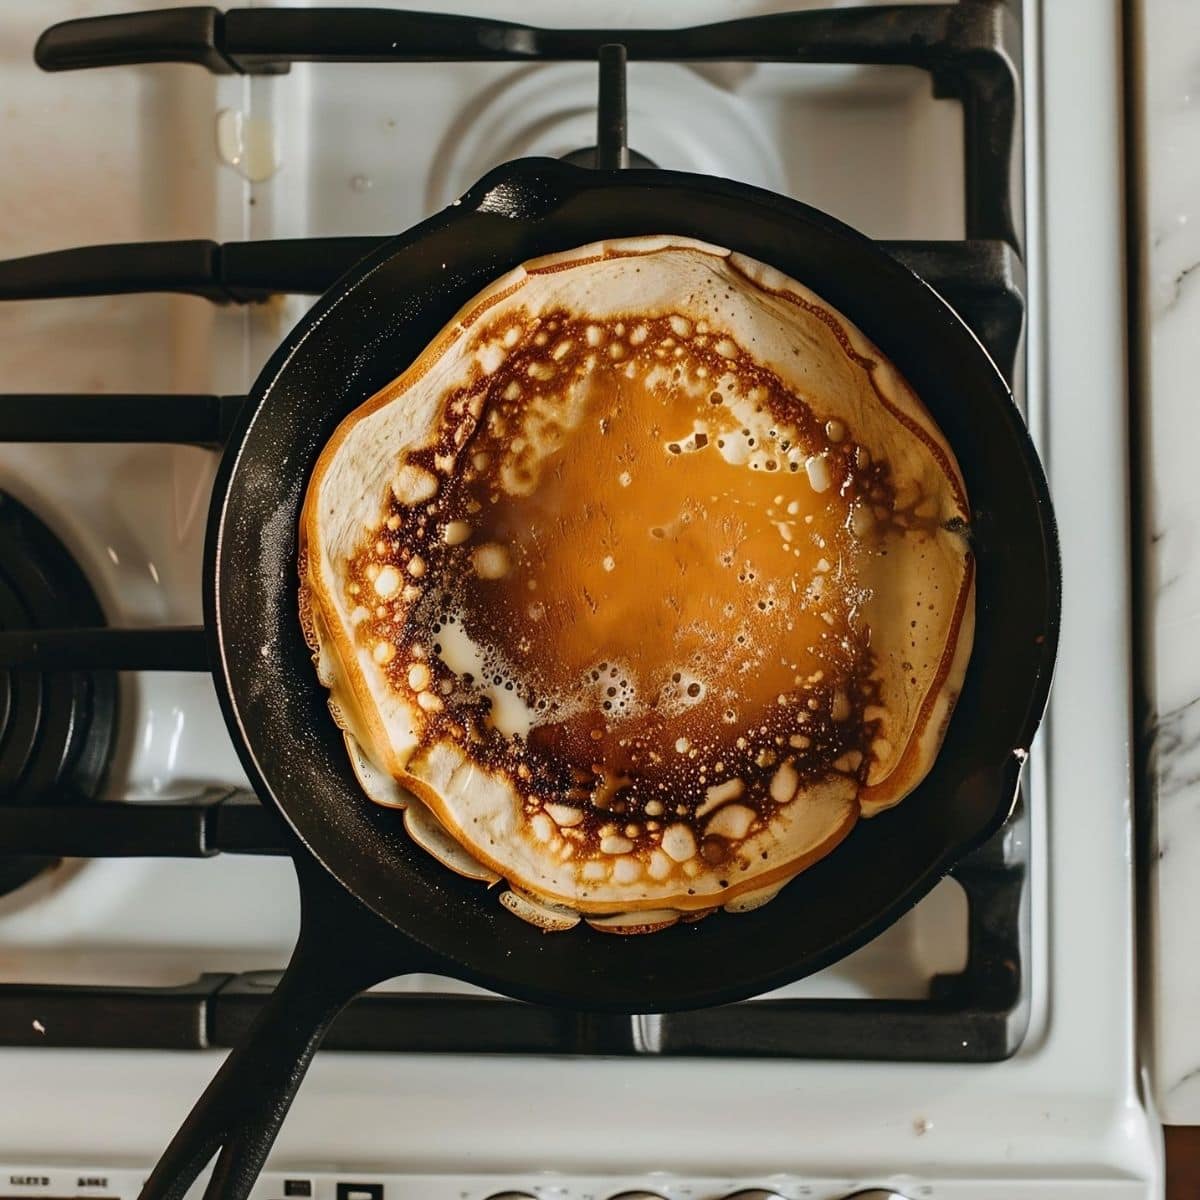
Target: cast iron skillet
[(374, 906)]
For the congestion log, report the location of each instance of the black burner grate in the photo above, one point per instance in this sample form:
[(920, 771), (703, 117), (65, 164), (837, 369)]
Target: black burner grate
[(972, 52)]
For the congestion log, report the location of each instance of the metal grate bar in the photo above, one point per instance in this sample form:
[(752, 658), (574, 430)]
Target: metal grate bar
[(233, 272), (983, 281), (106, 830), (217, 1010), (169, 1018), (182, 648), (189, 35), (103, 417), (920, 36), (216, 821)]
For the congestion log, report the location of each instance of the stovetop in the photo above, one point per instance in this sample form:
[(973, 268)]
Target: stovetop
[(966, 996), (169, 909)]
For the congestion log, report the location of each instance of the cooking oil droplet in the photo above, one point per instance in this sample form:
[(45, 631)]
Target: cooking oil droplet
[(247, 144)]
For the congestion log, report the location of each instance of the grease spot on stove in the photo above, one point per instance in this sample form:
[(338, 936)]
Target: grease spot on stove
[(247, 144)]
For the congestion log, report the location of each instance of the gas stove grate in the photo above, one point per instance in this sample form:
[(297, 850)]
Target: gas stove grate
[(971, 50)]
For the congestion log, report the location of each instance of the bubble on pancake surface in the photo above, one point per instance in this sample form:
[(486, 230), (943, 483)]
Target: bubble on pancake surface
[(657, 553)]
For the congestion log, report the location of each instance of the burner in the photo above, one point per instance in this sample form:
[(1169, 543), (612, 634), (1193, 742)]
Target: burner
[(680, 118), (56, 729)]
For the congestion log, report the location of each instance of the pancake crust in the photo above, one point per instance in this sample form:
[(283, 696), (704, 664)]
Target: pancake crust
[(643, 583)]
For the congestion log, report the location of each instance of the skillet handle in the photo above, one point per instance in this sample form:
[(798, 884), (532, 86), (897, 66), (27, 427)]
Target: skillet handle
[(343, 948)]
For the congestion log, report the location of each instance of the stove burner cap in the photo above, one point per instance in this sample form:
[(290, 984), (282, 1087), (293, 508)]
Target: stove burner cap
[(56, 728), (587, 158)]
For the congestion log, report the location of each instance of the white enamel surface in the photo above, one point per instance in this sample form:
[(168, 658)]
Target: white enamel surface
[(1169, 132), (1062, 1119)]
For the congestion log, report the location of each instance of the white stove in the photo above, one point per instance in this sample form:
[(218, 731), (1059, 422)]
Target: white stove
[(169, 151)]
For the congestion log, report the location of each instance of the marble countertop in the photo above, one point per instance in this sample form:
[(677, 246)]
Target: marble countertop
[(1166, 163)]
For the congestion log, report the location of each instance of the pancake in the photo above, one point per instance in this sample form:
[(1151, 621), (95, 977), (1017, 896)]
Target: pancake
[(640, 586)]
